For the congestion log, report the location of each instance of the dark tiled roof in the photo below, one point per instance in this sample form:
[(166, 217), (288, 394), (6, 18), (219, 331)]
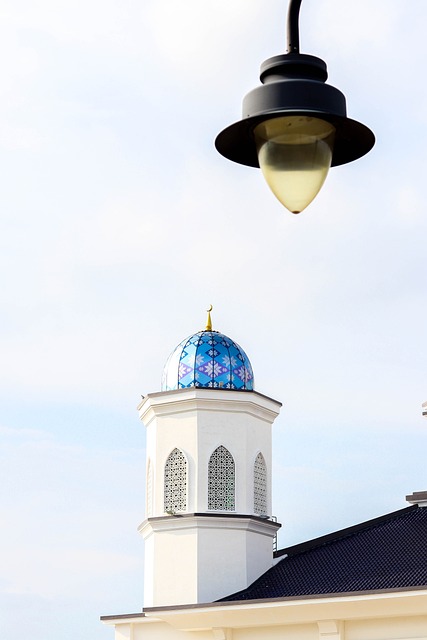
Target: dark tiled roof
[(386, 553)]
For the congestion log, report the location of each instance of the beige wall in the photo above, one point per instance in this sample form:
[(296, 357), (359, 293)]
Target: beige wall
[(387, 629), (376, 629)]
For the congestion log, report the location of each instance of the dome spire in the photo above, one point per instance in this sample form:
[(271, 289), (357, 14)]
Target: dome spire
[(208, 319)]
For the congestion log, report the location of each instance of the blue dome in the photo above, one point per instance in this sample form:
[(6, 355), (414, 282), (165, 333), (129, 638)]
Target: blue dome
[(208, 359)]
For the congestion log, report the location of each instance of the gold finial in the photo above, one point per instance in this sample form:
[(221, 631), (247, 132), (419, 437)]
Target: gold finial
[(209, 320)]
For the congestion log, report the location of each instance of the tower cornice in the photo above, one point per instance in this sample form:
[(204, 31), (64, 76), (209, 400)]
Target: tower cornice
[(194, 399), (255, 524)]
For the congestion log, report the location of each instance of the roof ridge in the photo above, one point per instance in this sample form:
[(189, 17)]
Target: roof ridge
[(341, 533)]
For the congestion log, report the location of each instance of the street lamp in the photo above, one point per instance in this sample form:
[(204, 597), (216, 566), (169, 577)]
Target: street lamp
[(294, 126)]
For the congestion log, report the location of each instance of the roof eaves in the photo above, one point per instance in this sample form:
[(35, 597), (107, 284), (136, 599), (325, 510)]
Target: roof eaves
[(342, 533), (245, 603)]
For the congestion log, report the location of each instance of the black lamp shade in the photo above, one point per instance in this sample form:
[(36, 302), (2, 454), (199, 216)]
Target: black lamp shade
[(294, 84)]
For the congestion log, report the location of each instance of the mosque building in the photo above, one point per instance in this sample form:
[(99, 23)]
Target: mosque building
[(212, 570)]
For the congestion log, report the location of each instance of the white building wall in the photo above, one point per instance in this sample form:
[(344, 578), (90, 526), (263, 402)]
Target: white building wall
[(244, 436), (197, 422), (191, 559), (203, 558)]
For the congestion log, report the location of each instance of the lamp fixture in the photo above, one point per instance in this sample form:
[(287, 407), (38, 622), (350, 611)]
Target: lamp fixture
[(294, 126)]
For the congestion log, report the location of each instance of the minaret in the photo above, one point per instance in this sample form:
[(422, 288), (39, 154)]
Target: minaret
[(208, 530)]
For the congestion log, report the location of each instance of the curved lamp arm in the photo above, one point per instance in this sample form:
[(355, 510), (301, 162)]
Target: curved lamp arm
[(293, 28)]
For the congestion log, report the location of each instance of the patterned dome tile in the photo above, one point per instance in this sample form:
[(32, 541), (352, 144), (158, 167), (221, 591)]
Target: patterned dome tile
[(208, 359)]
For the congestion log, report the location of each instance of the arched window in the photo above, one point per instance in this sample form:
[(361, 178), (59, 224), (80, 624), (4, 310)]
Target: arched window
[(221, 481), (175, 488), (149, 490), (260, 485)]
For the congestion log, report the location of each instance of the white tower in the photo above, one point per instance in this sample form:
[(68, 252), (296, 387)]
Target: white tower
[(208, 531)]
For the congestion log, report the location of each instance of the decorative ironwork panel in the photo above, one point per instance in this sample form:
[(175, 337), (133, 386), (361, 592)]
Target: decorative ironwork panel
[(260, 486), (149, 505), (175, 488), (221, 481)]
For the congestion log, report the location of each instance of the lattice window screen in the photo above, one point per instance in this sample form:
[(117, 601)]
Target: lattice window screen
[(149, 505), (260, 486), (175, 490), (221, 480)]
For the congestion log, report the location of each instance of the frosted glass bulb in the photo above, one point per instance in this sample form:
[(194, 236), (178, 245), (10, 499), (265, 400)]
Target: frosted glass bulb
[(295, 154)]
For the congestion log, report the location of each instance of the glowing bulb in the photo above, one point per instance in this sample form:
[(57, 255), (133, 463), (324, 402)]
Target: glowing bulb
[(295, 154)]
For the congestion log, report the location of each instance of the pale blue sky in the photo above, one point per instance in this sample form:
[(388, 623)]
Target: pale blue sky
[(120, 223)]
